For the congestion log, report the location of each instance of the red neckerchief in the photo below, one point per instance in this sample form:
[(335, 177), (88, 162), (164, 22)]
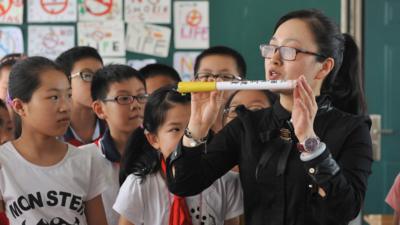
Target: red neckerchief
[(179, 212), (3, 219)]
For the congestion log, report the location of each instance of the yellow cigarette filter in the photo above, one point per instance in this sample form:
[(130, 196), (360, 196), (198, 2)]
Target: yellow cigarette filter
[(191, 86)]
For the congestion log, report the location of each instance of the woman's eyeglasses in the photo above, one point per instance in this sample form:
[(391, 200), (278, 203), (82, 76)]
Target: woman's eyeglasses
[(286, 53)]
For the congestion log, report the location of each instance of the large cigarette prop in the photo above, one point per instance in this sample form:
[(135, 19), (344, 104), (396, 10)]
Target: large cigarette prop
[(193, 86)]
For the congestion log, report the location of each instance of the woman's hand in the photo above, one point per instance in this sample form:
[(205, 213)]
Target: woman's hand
[(204, 111), (304, 110)]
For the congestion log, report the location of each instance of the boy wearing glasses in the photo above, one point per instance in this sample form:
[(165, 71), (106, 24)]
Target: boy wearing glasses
[(119, 95), (80, 64), (220, 63)]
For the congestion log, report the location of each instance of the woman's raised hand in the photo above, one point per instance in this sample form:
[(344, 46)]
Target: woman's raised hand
[(304, 110)]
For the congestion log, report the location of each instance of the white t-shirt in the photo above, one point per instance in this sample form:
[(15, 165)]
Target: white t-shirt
[(149, 202), (111, 171), (49, 195)]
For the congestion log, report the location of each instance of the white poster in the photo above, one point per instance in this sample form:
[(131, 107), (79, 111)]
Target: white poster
[(106, 37), (148, 39), (11, 40), (148, 11), (140, 63), (108, 60), (50, 41), (184, 64), (11, 11), (191, 24), (52, 11), (100, 10)]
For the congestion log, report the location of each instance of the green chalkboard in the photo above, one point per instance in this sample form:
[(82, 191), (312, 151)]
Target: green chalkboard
[(240, 24)]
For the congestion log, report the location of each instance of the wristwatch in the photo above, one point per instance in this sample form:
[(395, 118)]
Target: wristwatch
[(309, 145), (194, 142)]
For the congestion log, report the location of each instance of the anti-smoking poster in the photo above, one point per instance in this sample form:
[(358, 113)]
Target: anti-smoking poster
[(106, 37), (11, 40), (191, 24), (148, 11), (11, 11), (184, 64), (148, 39), (99, 10), (52, 11), (50, 41)]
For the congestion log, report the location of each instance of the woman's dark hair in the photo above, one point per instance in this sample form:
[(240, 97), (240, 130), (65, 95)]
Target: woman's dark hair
[(25, 79), (348, 87), (140, 158), (332, 43)]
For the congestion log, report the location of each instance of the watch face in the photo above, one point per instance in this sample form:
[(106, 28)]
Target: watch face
[(311, 144)]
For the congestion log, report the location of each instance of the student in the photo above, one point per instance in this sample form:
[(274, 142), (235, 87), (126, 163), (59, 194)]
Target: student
[(5, 67), (119, 95), (80, 64), (223, 64), (251, 99), (159, 75), (301, 161), (144, 197), (6, 125), (393, 199), (44, 180)]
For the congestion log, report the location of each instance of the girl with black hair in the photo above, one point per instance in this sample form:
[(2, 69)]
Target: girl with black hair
[(302, 161), (42, 179), (144, 197)]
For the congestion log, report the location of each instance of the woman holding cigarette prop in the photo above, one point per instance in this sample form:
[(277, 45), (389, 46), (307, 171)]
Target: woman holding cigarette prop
[(301, 161)]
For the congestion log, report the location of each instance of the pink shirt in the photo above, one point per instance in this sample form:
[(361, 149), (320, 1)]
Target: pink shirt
[(393, 197)]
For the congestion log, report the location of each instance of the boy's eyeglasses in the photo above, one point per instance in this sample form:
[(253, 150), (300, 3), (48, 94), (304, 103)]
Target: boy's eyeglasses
[(286, 53), (204, 76), (85, 75), (128, 99)]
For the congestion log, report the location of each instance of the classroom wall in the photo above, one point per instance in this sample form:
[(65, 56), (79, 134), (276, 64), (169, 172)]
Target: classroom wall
[(241, 24)]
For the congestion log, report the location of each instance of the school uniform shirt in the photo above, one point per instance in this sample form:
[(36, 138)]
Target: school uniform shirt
[(105, 147), (393, 197), (278, 187), (49, 195), (148, 201), (72, 137)]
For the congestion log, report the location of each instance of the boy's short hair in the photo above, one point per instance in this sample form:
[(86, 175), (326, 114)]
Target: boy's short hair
[(158, 69), (68, 58), (223, 51), (111, 74)]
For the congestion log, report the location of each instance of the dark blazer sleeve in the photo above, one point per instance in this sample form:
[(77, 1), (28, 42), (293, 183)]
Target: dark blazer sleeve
[(345, 189), (191, 170)]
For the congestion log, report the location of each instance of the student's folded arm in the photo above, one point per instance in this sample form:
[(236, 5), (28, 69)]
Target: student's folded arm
[(190, 170), (344, 180)]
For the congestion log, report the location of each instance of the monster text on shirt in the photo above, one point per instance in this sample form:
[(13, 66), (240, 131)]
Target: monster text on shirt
[(50, 199)]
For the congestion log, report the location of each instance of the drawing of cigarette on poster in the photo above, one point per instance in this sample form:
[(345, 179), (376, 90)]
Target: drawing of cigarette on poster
[(99, 10), (106, 37), (191, 24), (148, 11), (184, 64), (50, 41), (148, 39), (11, 11), (52, 11), (11, 40)]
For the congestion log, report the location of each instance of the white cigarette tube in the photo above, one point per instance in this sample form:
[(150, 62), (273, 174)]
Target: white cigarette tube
[(193, 86)]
